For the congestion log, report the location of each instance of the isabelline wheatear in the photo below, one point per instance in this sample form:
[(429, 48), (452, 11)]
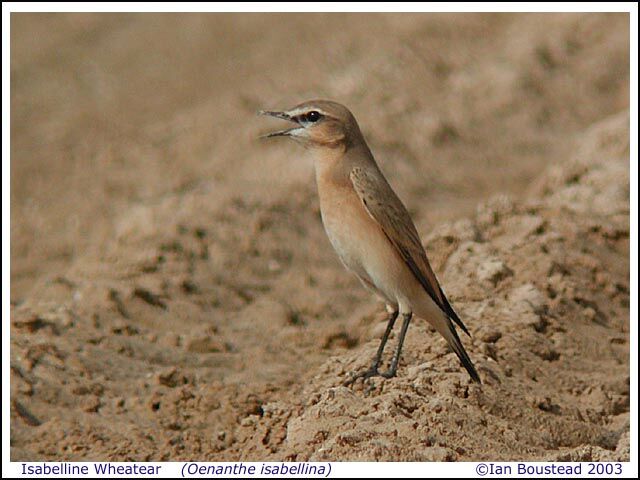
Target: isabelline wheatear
[(370, 228)]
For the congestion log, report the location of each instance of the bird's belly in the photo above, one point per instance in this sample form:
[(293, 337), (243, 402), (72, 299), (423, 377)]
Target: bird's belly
[(346, 243), (365, 250)]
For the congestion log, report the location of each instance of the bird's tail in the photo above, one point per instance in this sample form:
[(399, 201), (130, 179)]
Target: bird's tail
[(456, 345), (445, 327)]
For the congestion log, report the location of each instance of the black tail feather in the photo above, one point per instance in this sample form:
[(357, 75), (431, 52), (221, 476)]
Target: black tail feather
[(463, 356), (451, 313)]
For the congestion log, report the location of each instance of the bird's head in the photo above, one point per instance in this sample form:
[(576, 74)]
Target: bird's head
[(319, 124)]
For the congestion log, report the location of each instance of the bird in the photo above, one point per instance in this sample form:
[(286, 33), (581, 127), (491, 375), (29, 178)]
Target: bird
[(370, 228)]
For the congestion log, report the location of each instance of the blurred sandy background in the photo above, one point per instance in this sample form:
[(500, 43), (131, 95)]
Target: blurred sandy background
[(173, 293)]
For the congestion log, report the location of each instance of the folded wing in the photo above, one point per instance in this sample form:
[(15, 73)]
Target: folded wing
[(384, 206)]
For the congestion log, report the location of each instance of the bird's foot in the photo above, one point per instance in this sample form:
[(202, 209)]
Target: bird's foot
[(370, 372)]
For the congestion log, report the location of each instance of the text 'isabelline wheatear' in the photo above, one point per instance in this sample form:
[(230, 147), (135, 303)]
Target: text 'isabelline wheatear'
[(370, 228)]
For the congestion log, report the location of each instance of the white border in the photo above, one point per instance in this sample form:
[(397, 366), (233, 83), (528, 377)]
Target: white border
[(633, 250), (411, 469), (6, 235), (320, 7)]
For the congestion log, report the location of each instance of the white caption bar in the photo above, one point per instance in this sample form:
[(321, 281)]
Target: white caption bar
[(319, 469)]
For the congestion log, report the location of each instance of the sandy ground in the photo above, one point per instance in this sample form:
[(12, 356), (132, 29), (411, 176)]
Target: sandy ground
[(173, 292)]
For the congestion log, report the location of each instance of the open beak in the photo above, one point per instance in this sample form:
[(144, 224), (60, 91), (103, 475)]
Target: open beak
[(283, 116)]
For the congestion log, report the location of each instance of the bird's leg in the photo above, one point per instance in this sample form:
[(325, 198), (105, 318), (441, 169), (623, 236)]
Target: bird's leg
[(406, 317), (376, 360), (373, 370)]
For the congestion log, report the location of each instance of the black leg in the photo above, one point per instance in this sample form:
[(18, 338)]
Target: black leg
[(373, 370), (396, 356), (392, 320)]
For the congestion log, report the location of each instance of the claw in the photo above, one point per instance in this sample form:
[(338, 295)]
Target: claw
[(371, 372)]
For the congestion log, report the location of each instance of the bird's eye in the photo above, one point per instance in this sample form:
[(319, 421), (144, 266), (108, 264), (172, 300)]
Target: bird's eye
[(313, 116)]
